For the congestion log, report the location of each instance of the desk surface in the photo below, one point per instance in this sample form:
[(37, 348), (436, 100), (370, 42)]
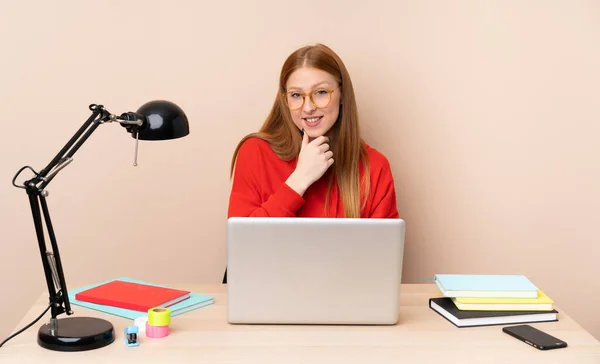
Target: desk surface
[(205, 336)]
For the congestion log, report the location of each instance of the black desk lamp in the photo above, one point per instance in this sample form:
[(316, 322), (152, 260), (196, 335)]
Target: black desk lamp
[(155, 120)]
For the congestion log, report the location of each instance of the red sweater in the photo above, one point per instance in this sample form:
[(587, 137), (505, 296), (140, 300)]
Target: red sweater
[(259, 187)]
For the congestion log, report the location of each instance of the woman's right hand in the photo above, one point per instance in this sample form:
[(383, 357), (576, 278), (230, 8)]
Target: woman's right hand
[(313, 161)]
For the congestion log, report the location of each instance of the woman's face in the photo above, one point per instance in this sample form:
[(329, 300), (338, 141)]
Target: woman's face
[(316, 120)]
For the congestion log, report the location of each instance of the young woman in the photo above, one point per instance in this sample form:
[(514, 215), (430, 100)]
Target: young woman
[(308, 159)]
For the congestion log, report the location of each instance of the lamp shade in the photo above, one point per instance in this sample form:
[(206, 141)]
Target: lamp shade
[(162, 120)]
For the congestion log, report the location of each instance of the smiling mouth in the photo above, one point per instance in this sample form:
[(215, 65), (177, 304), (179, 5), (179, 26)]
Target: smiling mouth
[(313, 120)]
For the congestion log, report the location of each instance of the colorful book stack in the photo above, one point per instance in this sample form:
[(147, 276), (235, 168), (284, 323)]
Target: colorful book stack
[(482, 300), (131, 298)]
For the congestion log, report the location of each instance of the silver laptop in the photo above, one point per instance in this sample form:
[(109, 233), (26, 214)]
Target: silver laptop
[(314, 270)]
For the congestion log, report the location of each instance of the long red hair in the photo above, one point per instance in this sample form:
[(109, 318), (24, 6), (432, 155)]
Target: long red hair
[(349, 150)]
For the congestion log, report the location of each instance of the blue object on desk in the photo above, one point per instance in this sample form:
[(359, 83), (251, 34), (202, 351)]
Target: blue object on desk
[(486, 285), (131, 336), (195, 301)]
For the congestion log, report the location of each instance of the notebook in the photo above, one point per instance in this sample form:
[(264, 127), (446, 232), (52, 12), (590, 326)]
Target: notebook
[(132, 295), (485, 285), (446, 308), (195, 301), (541, 303)]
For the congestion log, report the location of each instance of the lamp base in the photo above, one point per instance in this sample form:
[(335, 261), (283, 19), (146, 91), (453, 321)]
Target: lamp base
[(76, 334)]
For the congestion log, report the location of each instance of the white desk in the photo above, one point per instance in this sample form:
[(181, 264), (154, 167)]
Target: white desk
[(204, 336)]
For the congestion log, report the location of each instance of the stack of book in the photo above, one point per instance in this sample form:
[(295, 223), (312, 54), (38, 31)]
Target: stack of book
[(482, 300), (131, 298)]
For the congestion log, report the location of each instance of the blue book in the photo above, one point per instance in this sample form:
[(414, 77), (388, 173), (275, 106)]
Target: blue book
[(195, 301), (485, 285)]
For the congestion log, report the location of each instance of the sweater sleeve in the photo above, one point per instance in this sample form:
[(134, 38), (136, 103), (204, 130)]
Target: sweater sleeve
[(246, 191), (384, 197)]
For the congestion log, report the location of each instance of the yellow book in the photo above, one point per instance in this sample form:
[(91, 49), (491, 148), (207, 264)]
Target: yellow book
[(541, 303)]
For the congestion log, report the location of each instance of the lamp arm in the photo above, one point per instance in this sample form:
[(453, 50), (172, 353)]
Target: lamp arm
[(96, 110), (65, 156), (35, 188)]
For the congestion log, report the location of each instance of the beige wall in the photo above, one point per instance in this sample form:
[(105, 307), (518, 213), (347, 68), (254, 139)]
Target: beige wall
[(488, 111)]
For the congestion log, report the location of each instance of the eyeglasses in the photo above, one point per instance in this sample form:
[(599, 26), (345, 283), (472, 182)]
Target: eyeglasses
[(320, 98)]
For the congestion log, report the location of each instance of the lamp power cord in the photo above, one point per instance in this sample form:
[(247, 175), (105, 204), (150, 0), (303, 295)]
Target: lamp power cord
[(19, 172), (28, 326)]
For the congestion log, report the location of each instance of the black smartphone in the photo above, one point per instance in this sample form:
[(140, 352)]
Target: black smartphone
[(534, 337)]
